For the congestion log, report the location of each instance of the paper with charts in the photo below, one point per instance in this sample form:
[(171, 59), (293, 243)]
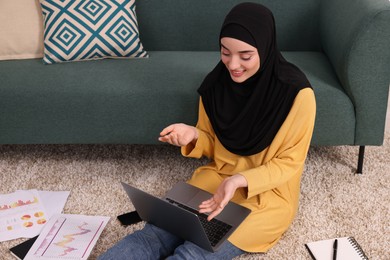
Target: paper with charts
[(68, 236), (24, 213), (21, 214)]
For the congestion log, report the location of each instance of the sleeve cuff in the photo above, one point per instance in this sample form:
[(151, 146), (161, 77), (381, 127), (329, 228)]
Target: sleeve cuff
[(252, 177), (194, 151)]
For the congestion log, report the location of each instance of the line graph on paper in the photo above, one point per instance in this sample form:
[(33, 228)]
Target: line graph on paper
[(69, 238)]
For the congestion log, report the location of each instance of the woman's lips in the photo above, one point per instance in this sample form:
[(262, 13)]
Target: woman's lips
[(237, 73)]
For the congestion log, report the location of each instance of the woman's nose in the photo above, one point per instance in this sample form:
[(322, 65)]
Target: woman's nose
[(234, 63)]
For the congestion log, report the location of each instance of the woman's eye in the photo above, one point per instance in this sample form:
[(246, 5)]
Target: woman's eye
[(246, 58), (225, 54)]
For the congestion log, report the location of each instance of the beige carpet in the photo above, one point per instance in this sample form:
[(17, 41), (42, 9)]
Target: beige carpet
[(334, 201)]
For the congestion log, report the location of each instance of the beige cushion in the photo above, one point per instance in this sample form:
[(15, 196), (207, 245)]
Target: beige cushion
[(21, 29)]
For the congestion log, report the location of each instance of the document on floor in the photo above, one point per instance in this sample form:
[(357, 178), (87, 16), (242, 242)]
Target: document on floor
[(68, 236), (24, 213)]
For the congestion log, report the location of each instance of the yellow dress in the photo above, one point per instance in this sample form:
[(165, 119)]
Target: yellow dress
[(273, 175)]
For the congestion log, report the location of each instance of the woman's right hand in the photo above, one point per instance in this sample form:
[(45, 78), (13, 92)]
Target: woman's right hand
[(179, 134)]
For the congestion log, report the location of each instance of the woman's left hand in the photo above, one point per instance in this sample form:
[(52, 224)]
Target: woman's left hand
[(224, 194)]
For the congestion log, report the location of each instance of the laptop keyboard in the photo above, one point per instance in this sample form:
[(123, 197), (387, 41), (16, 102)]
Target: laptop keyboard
[(215, 229)]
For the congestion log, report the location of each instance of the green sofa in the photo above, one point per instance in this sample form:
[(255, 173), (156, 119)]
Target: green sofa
[(343, 46)]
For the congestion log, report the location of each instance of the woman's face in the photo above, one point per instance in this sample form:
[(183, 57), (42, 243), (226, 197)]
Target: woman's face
[(240, 58)]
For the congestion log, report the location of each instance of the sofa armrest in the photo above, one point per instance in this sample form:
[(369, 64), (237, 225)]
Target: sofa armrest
[(355, 35)]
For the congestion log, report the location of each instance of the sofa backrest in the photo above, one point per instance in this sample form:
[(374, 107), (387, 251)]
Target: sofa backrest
[(193, 25)]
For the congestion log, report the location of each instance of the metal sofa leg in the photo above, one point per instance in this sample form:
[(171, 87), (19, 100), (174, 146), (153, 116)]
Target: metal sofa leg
[(360, 160)]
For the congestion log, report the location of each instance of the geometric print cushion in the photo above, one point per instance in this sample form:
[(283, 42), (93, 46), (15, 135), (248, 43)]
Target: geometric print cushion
[(90, 29)]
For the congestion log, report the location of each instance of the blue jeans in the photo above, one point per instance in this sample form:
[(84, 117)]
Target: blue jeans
[(154, 243)]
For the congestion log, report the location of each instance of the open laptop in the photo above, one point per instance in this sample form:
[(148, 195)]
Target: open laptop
[(178, 214)]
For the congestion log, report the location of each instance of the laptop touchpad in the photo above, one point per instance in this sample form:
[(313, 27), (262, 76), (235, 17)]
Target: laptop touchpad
[(199, 197)]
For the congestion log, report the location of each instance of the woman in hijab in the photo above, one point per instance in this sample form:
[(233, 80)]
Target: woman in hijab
[(255, 123)]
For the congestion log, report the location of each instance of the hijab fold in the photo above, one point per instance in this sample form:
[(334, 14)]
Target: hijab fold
[(247, 116)]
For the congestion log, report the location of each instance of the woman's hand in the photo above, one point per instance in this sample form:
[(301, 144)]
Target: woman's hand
[(179, 134), (224, 194)]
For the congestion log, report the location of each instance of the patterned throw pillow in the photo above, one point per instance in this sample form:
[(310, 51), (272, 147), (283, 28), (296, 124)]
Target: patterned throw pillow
[(90, 29)]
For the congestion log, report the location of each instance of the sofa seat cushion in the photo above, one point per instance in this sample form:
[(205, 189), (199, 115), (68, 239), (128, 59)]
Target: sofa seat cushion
[(131, 101), (104, 101)]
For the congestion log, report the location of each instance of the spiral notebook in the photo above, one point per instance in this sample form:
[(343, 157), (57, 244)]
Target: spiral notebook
[(348, 248)]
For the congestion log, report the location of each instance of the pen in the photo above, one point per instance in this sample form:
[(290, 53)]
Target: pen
[(335, 249)]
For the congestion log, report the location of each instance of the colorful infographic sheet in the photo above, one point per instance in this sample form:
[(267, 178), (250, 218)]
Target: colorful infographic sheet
[(24, 213), (68, 236)]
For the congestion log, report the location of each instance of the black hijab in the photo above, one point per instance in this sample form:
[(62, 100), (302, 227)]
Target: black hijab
[(246, 116)]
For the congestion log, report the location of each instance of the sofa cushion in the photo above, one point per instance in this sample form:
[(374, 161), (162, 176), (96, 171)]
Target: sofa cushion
[(131, 104), (21, 29), (91, 29)]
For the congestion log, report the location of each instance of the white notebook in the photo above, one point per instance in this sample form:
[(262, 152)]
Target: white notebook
[(347, 248)]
